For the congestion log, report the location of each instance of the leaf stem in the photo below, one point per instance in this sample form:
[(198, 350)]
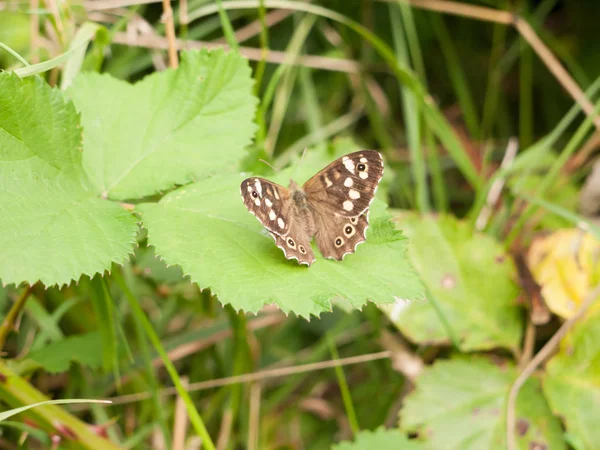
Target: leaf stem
[(8, 324)]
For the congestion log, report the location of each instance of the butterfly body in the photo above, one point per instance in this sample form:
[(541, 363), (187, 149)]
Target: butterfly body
[(332, 207)]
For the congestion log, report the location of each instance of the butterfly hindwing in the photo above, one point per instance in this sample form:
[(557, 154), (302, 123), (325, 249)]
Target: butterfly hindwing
[(296, 245), (269, 202), (338, 236), (347, 186)]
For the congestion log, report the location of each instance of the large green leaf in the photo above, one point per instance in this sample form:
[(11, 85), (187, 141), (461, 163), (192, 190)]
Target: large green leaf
[(572, 382), (379, 439), (53, 228), (205, 228), (170, 128), (461, 405), (472, 280)]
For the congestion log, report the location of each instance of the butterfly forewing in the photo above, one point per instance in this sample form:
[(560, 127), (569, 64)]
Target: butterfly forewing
[(269, 202), (347, 186)]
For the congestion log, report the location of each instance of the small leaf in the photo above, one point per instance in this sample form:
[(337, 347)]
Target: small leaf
[(572, 381), (380, 439), (52, 227), (461, 404), (205, 228), (565, 266), (170, 128), (57, 356), (472, 280)]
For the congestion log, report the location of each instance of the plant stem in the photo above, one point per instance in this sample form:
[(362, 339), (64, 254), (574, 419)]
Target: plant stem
[(8, 324)]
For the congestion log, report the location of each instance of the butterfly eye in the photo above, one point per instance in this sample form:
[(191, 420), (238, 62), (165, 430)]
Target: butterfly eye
[(361, 167), (254, 194)]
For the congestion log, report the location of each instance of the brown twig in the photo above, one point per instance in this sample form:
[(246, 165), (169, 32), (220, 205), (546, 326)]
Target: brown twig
[(255, 54), (249, 377), (167, 18), (541, 356), (252, 29), (34, 32), (496, 189), (254, 420), (8, 324), (181, 421)]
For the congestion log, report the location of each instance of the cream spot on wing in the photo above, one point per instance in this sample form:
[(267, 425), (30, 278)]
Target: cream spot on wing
[(348, 205), (276, 194), (354, 195), (269, 203), (257, 202), (328, 181), (348, 182), (345, 158), (258, 187), (272, 215), (280, 222), (349, 164), (249, 188), (363, 160), (363, 175)]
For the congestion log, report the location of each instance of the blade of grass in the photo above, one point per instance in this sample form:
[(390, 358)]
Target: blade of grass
[(313, 114), (159, 410), (85, 35), (457, 75), (346, 397), (576, 219), (227, 28), (137, 311), (525, 96), (410, 110)]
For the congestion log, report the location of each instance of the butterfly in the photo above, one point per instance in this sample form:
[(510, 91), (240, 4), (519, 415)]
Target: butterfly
[(332, 207)]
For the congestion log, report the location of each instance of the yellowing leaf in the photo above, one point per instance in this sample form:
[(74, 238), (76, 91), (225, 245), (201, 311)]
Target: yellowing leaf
[(565, 265)]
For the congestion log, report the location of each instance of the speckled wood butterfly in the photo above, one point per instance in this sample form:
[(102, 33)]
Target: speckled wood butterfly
[(332, 207)]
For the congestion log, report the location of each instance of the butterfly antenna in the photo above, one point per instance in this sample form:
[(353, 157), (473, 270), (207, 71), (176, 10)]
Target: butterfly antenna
[(300, 163), (268, 164)]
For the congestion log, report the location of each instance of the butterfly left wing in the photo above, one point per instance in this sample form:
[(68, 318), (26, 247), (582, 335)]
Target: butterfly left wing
[(347, 186), (269, 202)]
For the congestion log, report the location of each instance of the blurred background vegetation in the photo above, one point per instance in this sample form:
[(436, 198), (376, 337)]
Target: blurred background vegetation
[(504, 75)]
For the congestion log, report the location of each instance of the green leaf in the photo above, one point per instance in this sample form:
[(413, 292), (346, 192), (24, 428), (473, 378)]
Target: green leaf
[(572, 381), (170, 128), (57, 356), (379, 439), (53, 228), (472, 281), (461, 404), (205, 228)]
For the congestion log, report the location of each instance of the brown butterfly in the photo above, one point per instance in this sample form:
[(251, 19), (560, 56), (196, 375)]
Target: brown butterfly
[(332, 206)]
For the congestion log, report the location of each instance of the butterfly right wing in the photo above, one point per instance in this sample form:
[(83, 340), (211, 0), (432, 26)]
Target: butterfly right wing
[(296, 245), (269, 202)]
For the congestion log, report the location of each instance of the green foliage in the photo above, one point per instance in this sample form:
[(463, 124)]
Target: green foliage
[(171, 128), (379, 439), (205, 228), (572, 382), (57, 356), (53, 228), (461, 404), (472, 281)]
